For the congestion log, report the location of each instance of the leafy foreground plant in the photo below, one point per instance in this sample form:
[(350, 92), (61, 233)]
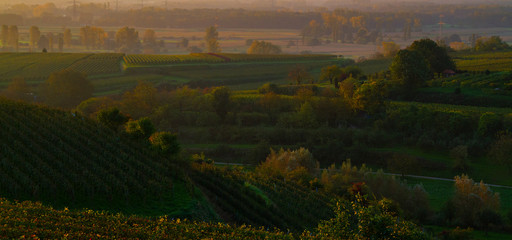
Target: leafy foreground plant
[(356, 220), (361, 219)]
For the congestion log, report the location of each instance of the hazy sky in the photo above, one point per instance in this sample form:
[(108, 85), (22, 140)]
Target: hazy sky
[(235, 3)]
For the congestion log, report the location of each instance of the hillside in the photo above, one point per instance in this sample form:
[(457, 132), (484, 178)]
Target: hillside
[(67, 160)]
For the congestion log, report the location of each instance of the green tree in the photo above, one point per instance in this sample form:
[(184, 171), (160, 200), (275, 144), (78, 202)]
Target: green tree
[(66, 89), (409, 70), (460, 156), (165, 143), (211, 38), (18, 89), (489, 125), (330, 73), (436, 56), (112, 118), (370, 96), (501, 151), (140, 129), (221, 101), (362, 220), (35, 34)]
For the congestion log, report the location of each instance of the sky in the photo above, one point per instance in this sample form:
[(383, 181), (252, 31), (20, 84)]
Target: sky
[(235, 3)]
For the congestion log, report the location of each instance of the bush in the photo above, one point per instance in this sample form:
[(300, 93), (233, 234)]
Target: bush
[(140, 129)]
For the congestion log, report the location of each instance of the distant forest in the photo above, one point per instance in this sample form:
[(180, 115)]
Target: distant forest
[(151, 17)]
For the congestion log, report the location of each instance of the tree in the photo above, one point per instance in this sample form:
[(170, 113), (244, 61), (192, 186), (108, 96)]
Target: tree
[(281, 163), (402, 163), (149, 38), (165, 143), (436, 56), (51, 41), (409, 70), (35, 34), (299, 75), (141, 129), (471, 199), (262, 47), (5, 35), (127, 39), (67, 37), (348, 87), (140, 101), (211, 39), (489, 124), (370, 96), (61, 44), (493, 43), (43, 42), (66, 89), (330, 73), (13, 37), (184, 43), (18, 89), (112, 118), (389, 49), (501, 151), (221, 101), (361, 219), (460, 156)]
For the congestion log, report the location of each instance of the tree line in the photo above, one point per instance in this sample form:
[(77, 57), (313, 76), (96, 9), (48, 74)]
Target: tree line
[(398, 18)]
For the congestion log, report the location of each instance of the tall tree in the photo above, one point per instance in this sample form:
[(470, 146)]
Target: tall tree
[(436, 56), (211, 38), (35, 34), (409, 70)]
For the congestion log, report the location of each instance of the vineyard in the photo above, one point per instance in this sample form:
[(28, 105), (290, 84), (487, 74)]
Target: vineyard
[(466, 110), (258, 200), (62, 157), (495, 61), (140, 59), (497, 80), (27, 220)]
